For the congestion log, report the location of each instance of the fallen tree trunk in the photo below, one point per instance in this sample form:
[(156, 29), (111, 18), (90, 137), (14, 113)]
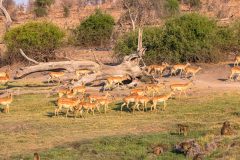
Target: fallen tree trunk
[(70, 66)]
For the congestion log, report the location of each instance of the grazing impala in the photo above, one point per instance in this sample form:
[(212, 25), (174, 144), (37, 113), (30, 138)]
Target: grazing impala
[(235, 71), (142, 100), (82, 72), (180, 67), (192, 71), (6, 101), (237, 60), (162, 98), (116, 80), (55, 75), (129, 99), (5, 79), (67, 103), (94, 98), (182, 87)]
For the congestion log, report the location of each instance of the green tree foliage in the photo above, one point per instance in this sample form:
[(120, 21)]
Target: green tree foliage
[(96, 30), (190, 37), (36, 39)]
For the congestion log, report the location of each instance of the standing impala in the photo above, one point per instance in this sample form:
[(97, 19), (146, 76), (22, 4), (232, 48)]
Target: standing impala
[(192, 71), (116, 80), (129, 99), (79, 89), (180, 67), (142, 100), (67, 103), (158, 99), (237, 60), (235, 71), (4, 79), (55, 75), (160, 68), (82, 72), (94, 98), (6, 101), (182, 87)]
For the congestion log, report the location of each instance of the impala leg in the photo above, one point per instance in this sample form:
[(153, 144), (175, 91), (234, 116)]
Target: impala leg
[(67, 113), (164, 105), (122, 106)]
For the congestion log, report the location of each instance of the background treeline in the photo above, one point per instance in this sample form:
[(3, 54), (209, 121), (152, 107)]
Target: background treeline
[(188, 37)]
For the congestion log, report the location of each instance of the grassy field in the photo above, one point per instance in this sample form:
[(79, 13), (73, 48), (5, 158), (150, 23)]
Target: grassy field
[(30, 127)]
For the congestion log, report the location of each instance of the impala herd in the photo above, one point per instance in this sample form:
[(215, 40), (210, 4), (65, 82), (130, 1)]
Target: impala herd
[(76, 99)]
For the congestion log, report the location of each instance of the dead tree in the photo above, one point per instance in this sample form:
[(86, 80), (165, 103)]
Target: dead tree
[(130, 66), (8, 22)]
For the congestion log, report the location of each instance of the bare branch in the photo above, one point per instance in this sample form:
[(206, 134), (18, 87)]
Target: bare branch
[(96, 59), (29, 59), (6, 14)]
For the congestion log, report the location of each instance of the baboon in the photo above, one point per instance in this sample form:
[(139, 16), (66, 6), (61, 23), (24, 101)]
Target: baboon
[(226, 129), (183, 129), (36, 156), (157, 150)]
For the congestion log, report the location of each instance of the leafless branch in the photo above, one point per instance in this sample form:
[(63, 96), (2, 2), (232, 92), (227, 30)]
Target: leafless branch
[(29, 59)]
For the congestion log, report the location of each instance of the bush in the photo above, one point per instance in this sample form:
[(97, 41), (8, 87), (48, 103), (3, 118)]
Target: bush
[(41, 7), (36, 39), (172, 6), (96, 30), (191, 37)]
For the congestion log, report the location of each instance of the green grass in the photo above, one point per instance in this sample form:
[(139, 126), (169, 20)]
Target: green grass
[(30, 128)]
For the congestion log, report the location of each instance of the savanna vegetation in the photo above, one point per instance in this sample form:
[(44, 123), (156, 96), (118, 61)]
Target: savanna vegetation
[(189, 37), (36, 39), (40, 129)]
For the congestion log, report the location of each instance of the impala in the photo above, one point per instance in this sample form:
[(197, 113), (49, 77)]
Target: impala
[(138, 91), (142, 100), (129, 99), (158, 99), (82, 72), (182, 87), (116, 80), (180, 67), (63, 91), (237, 60), (159, 69), (154, 88), (94, 98), (79, 89), (67, 103), (235, 71), (55, 75), (104, 102), (90, 106), (5, 79), (6, 101), (192, 71)]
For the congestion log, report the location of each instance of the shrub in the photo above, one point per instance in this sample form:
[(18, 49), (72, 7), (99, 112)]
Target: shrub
[(42, 7), (172, 6), (191, 37), (96, 30), (37, 39)]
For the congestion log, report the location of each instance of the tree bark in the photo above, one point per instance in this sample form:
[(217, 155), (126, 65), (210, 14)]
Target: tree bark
[(6, 14)]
